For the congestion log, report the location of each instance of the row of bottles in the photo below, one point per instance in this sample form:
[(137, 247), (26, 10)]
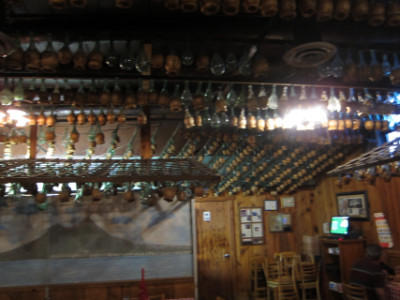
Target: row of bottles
[(179, 95), (372, 68), (375, 13), (132, 56)]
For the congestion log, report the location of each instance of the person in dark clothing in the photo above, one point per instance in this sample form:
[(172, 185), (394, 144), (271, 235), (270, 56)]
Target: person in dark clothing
[(368, 273)]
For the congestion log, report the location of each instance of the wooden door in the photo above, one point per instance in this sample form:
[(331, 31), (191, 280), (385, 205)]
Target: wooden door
[(215, 248)]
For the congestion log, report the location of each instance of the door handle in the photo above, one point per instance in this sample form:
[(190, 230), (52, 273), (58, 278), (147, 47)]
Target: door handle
[(226, 255)]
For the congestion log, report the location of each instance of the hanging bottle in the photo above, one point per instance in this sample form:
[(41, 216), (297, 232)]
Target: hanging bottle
[(163, 97), (111, 58), (30, 93), (188, 119), (337, 66), (395, 71), (105, 95), (127, 60), (142, 95), (187, 56), (215, 120), (68, 92), (142, 61), (96, 57), (130, 97), (55, 95), (231, 62), (363, 70), (252, 102), (260, 120), (206, 117), (186, 96), (64, 53), (32, 55), (209, 94), (18, 92), (220, 103), (262, 98), (80, 96), (43, 94), (116, 96), (49, 58), (242, 119), (231, 96), (92, 95), (242, 98), (234, 120), (6, 95), (153, 94), (386, 66), (350, 69), (175, 103), (333, 102), (217, 64), (273, 99), (376, 73), (245, 66), (80, 58)]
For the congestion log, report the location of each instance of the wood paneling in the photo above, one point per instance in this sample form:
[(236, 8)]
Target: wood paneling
[(172, 288)]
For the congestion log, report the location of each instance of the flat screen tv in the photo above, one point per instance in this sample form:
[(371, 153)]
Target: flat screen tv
[(340, 225)]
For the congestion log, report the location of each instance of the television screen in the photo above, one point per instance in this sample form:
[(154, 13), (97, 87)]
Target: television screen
[(340, 225)]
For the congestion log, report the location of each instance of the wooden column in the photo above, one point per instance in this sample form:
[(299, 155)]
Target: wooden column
[(32, 141)]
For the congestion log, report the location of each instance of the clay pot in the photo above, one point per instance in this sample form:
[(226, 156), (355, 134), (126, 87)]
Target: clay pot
[(15, 60), (99, 138), (377, 14), (189, 5), (288, 10), (172, 64), (308, 8), (260, 67), (58, 4), (130, 100), (41, 119), (80, 59), (78, 3), (175, 104), (96, 194), (172, 4), (95, 60), (65, 55), (74, 135), (142, 97), (342, 9), (123, 3), (230, 7), (50, 135), (169, 193), (105, 98), (71, 118), (129, 196), (40, 198), (324, 10), (360, 10), (50, 120), (102, 118), (81, 118), (251, 6), (393, 14), (49, 61), (269, 8), (32, 60), (198, 191), (202, 62), (210, 7), (157, 61), (111, 117)]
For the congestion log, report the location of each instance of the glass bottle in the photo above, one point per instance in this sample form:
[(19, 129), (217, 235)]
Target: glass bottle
[(186, 96), (337, 66), (55, 95), (188, 119), (209, 94), (116, 96), (252, 101), (234, 121), (333, 101), (6, 96), (217, 65), (242, 98), (32, 55), (375, 67), (231, 96), (262, 98), (19, 93), (245, 66), (273, 99), (127, 61), (242, 119), (362, 67), (215, 120), (43, 95), (142, 61), (206, 117), (386, 66), (352, 98), (187, 56), (231, 62), (111, 58)]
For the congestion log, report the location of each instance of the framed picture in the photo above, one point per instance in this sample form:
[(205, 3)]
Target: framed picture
[(287, 202), (251, 226), (280, 222), (270, 205), (353, 204)]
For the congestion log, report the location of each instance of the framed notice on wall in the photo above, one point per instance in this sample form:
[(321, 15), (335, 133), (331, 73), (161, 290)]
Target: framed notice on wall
[(252, 226)]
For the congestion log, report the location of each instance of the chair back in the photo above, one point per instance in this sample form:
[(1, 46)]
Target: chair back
[(352, 292), (309, 272)]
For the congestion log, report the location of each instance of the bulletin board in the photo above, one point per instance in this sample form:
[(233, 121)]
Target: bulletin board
[(251, 226)]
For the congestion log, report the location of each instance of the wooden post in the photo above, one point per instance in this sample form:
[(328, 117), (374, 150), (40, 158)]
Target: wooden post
[(145, 136), (32, 141)]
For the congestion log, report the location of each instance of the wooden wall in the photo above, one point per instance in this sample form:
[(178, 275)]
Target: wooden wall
[(313, 208)]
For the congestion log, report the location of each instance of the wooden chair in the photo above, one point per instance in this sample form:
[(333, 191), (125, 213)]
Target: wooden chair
[(308, 280), (281, 282), (353, 292)]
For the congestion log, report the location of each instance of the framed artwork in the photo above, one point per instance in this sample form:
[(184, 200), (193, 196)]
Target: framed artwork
[(287, 202), (251, 226), (270, 205), (280, 222), (353, 204)]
